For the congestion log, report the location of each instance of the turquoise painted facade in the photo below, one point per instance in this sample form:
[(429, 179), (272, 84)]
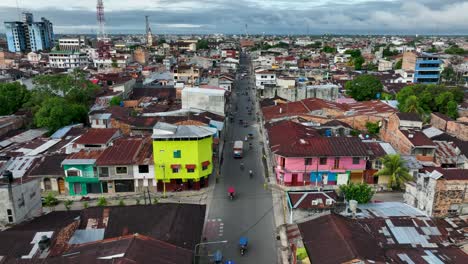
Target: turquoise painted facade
[(86, 182)]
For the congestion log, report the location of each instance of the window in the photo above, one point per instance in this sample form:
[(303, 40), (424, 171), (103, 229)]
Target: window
[(143, 168), (120, 170), (191, 170), (175, 170), (323, 161), (356, 160), (282, 161), (336, 165), (103, 172), (73, 173), (307, 161), (177, 154), (378, 164)]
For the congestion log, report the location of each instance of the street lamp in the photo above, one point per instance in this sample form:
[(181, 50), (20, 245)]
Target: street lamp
[(164, 179), (164, 174), (205, 243)]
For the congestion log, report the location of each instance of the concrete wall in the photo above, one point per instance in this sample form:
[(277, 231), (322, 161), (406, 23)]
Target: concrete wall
[(300, 93), (26, 201), (206, 101), (420, 193)]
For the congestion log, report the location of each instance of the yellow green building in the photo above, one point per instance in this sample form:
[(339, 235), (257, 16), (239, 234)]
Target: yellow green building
[(182, 156)]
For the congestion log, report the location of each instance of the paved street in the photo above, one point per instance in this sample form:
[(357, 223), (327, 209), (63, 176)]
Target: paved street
[(250, 214)]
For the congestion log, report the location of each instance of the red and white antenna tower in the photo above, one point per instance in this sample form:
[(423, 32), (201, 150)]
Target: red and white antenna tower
[(100, 19)]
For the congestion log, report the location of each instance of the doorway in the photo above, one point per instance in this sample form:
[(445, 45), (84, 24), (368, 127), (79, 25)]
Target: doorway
[(294, 179), (61, 185)]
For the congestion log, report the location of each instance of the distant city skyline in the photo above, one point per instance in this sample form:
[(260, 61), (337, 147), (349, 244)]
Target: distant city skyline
[(269, 16)]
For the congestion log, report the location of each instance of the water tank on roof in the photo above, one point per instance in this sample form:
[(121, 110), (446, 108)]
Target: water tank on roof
[(328, 133)]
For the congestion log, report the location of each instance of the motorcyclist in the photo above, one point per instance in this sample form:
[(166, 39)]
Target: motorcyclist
[(243, 241), (250, 173), (242, 165), (231, 192)]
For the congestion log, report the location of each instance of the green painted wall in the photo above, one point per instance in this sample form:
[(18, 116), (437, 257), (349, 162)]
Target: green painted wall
[(192, 152), (89, 176), (86, 170)]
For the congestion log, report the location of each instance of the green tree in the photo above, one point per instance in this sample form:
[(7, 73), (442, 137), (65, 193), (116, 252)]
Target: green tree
[(398, 64), (74, 86), (389, 53), (114, 63), (115, 101), (85, 205), (121, 202), (364, 87), (433, 49), (55, 113), (442, 100), (102, 201), (161, 41), (452, 109), (12, 97), (373, 128), (372, 66), (68, 204), (354, 53), (455, 50), (448, 74), (202, 44), (358, 63), (396, 170), (360, 192), (328, 49)]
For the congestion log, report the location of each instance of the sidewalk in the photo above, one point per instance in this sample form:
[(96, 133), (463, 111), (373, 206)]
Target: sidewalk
[(279, 202)]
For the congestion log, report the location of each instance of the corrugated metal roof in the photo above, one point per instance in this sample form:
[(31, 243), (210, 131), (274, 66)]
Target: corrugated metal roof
[(432, 132), (164, 130), (82, 236), (20, 165), (43, 147), (24, 137), (78, 161)]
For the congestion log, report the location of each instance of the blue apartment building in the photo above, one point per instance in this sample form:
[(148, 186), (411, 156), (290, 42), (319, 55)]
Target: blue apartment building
[(427, 69), (28, 35)]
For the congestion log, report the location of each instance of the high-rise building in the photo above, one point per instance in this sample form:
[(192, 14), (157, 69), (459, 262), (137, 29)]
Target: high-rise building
[(425, 66), (28, 35)]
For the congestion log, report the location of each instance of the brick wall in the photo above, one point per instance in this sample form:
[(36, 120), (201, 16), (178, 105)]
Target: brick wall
[(449, 193), (391, 133), (125, 128), (460, 130), (438, 122)]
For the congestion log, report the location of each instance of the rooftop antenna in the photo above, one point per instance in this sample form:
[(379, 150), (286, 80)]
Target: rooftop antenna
[(18, 10), (149, 37), (100, 18)]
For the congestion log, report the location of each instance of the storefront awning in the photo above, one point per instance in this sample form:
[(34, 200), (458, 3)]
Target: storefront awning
[(190, 166), (206, 163), (175, 166)]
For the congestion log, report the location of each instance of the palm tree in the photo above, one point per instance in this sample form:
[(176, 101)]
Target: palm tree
[(412, 105), (395, 168)]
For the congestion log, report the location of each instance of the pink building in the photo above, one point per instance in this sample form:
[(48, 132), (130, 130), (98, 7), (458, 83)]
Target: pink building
[(303, 157)]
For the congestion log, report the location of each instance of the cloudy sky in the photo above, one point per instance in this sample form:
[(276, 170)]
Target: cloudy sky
[(268, 16)]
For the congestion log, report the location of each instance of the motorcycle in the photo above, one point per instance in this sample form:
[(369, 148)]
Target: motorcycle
[(250, 174), (231, 193), (243, 245)]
